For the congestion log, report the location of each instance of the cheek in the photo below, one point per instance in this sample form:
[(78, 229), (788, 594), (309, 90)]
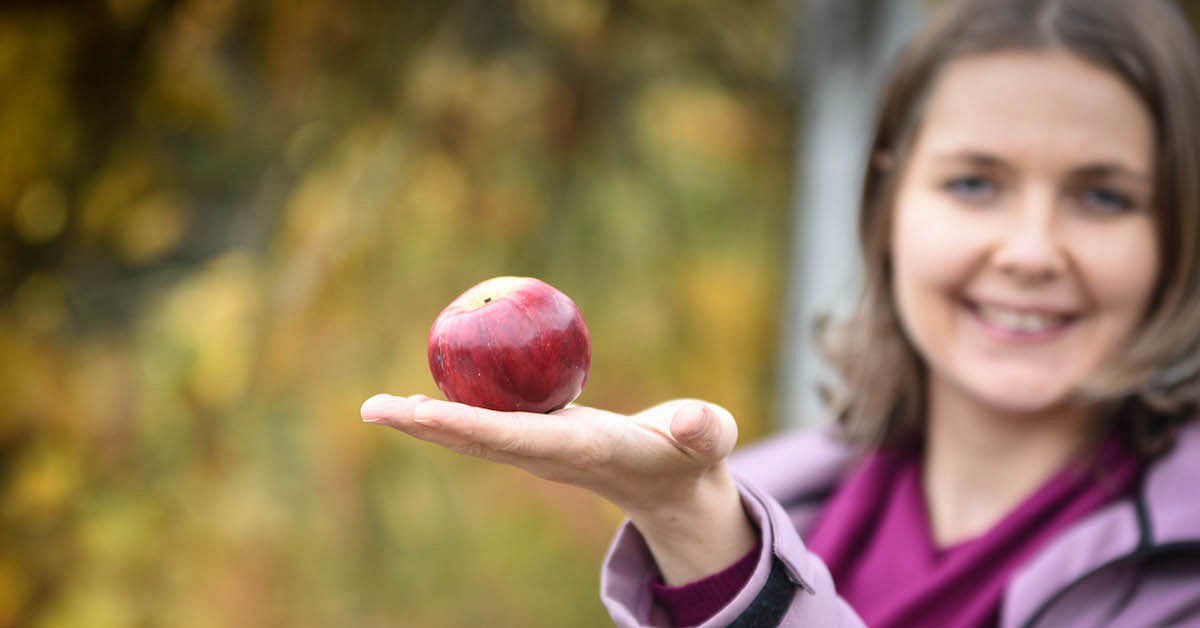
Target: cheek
[(1120, 268), (932, 248), (933, 257)]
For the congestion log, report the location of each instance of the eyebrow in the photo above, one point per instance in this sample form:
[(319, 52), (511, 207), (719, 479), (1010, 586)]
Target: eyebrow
[(1095, 170), (1102, 170)]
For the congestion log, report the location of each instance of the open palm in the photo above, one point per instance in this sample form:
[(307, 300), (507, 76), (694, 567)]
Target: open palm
[(636, 461)]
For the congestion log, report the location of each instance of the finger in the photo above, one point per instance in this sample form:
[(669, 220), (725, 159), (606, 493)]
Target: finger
[(705, 431), (566, 434), (400, 413), (382, 408), (397, 413)]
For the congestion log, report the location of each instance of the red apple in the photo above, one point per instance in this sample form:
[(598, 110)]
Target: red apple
[(511, 343)]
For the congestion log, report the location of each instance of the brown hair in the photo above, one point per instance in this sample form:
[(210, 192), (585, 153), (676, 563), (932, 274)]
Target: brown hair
[(1154, 385)]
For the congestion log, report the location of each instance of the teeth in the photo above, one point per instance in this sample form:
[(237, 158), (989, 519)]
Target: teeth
[(1023, 322)]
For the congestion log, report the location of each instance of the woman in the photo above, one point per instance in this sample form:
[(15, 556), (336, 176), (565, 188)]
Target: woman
[(1016, 436)]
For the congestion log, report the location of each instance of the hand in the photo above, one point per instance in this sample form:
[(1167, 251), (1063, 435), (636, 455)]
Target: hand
[(663, 466), (637, 461)]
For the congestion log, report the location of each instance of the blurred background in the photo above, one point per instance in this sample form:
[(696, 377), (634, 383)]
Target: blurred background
[(225, 223)]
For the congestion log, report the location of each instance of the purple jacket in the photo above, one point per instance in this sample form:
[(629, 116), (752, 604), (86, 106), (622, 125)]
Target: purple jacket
[(1133, 563)]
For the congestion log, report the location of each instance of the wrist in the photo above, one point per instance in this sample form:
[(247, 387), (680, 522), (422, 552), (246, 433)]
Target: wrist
[(687, 500), (700, 530)]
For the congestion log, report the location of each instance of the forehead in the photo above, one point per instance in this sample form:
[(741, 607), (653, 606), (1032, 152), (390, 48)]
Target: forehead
[(1037, 105)]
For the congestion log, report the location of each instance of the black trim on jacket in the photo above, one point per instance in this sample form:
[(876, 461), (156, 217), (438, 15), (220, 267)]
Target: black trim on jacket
[(771, 603)]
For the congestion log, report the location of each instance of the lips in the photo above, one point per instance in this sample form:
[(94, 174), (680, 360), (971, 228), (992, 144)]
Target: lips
[(1021, 321)]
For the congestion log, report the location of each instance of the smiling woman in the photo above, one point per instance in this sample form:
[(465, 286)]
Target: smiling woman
[(1014, 288), (1012, 280), (1098, 127), (1017, 443)]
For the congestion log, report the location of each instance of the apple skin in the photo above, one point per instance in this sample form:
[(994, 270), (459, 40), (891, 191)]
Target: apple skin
[(511, 343)]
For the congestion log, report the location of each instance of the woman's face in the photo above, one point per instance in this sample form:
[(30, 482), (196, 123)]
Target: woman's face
[(1023, 245)]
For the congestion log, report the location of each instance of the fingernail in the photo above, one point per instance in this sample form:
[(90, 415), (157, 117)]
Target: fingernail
[(374, 400), (699, 433), (374, 409)]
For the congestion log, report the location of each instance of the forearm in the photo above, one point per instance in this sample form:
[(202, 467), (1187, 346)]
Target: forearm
[(701, 533)]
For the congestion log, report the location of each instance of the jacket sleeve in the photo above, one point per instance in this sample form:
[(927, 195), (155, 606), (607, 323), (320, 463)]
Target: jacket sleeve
[(790, 585)]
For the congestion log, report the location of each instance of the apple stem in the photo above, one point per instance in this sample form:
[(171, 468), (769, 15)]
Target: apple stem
[(488, 300)]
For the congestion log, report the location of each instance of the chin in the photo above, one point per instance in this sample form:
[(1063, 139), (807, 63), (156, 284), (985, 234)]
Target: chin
[(1022, 397), (1024, 406), (1033, 404)]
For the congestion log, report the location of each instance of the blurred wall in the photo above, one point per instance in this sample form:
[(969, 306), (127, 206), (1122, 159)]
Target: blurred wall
[(223, 224)]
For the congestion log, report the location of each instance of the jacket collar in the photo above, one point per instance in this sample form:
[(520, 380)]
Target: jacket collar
[(1163, 516), (805, 467), (802, 466), (1169, 506)]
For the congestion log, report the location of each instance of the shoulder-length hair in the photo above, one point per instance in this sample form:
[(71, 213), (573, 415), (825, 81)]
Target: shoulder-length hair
[(1153, 385)]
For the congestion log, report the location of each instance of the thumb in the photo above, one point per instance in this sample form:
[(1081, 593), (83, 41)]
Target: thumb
[(707, 433)]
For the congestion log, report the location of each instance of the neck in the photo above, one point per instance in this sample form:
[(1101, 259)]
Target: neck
[(981, 462)]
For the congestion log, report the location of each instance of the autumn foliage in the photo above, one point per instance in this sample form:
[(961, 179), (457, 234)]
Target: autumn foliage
[(223, 224)]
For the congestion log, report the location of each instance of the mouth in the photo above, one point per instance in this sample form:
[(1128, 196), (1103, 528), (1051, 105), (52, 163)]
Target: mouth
[(1018, 323)]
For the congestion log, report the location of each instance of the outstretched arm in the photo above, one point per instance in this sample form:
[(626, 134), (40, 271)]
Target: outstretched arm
[(664, 467)]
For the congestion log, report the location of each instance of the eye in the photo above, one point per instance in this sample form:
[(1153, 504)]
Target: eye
[(971, 188), (1106, 200)]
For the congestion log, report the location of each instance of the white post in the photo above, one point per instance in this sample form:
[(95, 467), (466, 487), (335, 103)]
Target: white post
[(844, 47)]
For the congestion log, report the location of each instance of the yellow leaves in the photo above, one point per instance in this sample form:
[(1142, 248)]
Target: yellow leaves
[(725, 298), (24, 379), (695, 118), (34, 70), (244, 512), (436, 188), (417, 516), (40, 302), (301, 144), (150, 228), (95, 603), (114, 535), (119, 184), (509, 210), (189, 87), (576, 21), (478, 105), (14, 590), (41, 213), (125, 211), (212, 317), (730, 307), (439, 199), (189, 95), (48, 476), (100, 396), (210, 444)]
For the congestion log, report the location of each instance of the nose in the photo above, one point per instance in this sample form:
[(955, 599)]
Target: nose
[(1030, 248)]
